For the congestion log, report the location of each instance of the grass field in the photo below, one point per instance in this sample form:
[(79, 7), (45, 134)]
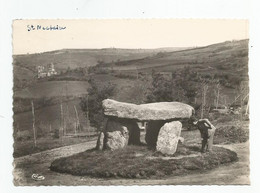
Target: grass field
[(226, 62), (74, 58), (53, 89), (209, 58), (25, 66), (47, 125), (22, 148), (48, 115), (46, 96)]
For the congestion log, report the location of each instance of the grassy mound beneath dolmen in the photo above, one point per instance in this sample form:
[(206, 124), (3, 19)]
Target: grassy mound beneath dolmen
[(141, 162)]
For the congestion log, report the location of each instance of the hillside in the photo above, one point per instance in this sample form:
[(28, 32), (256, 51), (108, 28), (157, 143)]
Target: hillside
[(226, 62), (47, 89), (74, 58), (24, 66), (226, 58)]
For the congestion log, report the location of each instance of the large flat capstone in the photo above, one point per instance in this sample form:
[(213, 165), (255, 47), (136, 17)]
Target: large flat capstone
[(147, 112)]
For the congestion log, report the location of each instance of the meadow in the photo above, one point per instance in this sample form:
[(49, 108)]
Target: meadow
[(49, 89)]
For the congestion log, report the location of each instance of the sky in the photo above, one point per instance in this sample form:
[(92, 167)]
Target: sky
[(124, 33)]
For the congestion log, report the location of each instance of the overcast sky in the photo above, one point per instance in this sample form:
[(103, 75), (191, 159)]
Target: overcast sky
[(125, 33)]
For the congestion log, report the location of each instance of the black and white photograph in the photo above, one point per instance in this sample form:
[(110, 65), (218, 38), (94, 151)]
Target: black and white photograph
[(130, 102)]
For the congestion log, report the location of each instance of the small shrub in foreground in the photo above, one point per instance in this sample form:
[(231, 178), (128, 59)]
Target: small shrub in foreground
[(231, 134)]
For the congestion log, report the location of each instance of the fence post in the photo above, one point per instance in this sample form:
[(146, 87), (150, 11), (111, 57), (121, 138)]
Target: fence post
[(61, 120), (77, 119), (33, 124)]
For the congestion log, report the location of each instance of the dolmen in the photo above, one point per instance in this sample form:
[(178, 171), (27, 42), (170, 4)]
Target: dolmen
[(163, 128)]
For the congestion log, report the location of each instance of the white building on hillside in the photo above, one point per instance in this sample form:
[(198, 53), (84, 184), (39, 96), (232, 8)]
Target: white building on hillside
[(44, 73)]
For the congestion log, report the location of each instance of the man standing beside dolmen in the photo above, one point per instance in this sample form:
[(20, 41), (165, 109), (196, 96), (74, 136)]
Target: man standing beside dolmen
[(207, 131)]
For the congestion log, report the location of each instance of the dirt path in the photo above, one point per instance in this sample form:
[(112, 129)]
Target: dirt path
[(236, 173)]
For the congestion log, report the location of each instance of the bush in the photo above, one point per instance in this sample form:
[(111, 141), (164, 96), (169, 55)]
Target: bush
[(23, 135), (56, 134), (231, 134), (99, 70)]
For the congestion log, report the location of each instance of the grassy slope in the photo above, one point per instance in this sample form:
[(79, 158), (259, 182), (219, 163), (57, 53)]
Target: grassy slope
[(228, 58), (47, 120), (74, 58), (24, 67), (205, 59), (225, 58), (49, 115), (53, 89)]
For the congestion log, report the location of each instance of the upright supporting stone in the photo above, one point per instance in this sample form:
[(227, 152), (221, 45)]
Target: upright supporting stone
[(211, 133), (152, 131), (117, 139), (116, 135), (120, 132), (169, 137)]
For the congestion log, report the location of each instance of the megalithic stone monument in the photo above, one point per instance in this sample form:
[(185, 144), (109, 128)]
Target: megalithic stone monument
[(122, 116)]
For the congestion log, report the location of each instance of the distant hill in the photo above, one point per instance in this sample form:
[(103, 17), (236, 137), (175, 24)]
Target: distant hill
[(226, 62), (228, 57), (73, 58), (25, 65)]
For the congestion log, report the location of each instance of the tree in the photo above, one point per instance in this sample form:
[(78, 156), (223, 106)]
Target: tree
[(161, 89), (93, 105), (204, 94), (186, 81), (182, 86), (217, 93)]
